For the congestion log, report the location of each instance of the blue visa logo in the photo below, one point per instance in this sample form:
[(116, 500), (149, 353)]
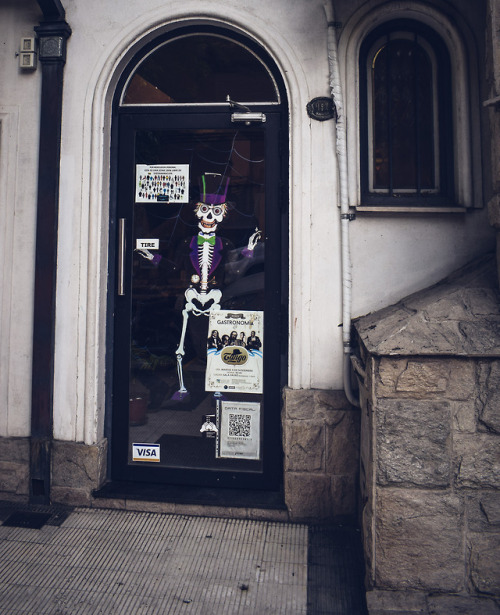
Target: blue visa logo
[(146, 452)]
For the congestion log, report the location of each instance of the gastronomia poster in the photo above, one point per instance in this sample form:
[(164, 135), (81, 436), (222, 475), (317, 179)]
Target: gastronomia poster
[(235, 351), (239, 430)]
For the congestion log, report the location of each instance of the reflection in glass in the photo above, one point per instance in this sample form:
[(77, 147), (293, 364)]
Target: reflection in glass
[(403, 117), (200, 69), (233, 208)]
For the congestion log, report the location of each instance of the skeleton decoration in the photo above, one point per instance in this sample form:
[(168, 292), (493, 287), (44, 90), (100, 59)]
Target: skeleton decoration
[(205, 254)]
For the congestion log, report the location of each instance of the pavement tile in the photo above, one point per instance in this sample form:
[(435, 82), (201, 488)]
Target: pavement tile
[(108, 562)]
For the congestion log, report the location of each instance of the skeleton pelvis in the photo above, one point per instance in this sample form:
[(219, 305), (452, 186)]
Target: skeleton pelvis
[(202, 303)]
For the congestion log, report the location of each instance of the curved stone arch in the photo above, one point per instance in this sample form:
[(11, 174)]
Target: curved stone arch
[(89, 367), (466, 143)]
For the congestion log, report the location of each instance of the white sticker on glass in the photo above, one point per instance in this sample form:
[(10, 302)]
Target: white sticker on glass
[(146, 452), (162, 183)]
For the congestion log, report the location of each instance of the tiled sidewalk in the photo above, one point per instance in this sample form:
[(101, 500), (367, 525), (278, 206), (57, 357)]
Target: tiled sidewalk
[(99, 561)]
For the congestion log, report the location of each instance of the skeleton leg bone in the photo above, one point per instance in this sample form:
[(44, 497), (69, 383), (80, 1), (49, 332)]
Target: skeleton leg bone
[(182, 393), (214, 295)]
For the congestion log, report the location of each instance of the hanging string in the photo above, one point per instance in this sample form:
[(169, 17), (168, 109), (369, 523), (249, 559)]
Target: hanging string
[(247, 159), (228, 167), (230, 151)]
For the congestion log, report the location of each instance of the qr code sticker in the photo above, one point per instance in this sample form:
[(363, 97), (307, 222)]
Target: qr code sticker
[(239, 425)]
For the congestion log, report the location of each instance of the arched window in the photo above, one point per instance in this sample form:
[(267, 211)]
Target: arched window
[(200, 69), (406, 117)]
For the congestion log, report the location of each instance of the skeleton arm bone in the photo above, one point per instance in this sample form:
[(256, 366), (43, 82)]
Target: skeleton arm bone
[(253, 239), (252, 242), (145, 253)]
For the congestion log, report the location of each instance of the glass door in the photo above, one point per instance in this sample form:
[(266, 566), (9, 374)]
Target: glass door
[(198, 307)]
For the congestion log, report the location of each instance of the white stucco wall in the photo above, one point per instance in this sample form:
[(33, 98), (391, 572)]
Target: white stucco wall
[(391, 255), (19, 115), (396, 256)]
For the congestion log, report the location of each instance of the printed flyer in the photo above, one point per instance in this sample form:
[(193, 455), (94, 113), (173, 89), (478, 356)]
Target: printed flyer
[(234, 352), (162, 183), (239, 430)]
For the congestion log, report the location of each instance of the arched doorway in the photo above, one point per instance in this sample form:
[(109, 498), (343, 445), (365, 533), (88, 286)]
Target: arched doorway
[(199, 278)]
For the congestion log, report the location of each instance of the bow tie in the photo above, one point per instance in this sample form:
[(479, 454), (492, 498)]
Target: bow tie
[(202, 239)]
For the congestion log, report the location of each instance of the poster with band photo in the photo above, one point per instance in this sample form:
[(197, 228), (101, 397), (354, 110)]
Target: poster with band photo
[(161, 183), (235, 352)]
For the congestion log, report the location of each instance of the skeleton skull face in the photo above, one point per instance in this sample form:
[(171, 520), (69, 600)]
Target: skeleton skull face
[(210, 216)]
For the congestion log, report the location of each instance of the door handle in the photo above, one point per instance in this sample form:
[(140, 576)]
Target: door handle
[(121, 256)]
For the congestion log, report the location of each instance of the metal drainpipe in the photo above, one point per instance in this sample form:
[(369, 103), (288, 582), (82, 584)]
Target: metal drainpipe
[(53, 33), (345, 215)]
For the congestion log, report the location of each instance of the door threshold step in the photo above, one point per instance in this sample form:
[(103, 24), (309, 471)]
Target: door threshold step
[(184, 497)]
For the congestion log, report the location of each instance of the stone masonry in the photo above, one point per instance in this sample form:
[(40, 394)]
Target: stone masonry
[(77, 469), (321, 455), (14, 468), (430, 447)]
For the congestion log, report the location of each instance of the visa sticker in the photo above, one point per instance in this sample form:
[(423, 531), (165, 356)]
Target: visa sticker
[(146, 452)]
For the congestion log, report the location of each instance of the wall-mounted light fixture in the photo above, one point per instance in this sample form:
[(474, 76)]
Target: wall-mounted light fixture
[(27, 53)]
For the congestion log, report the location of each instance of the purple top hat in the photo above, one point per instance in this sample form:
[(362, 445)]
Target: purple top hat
[(213, 188)]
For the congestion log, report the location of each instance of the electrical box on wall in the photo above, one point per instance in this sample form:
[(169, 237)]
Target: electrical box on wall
[(27, 53)]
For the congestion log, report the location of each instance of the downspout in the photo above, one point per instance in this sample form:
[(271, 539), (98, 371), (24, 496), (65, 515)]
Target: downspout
[(345, 215), (53, 33)]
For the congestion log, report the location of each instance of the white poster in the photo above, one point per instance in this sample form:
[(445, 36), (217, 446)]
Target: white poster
[(239, 430), (162, 183), (234, 352)]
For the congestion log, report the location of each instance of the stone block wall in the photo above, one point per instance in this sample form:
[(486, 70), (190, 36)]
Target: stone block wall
[(14, 468), (430, 464), (321, 455), (77, 469), (429, 368)]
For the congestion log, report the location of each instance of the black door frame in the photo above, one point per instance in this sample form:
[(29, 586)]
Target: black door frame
[(276, 280)]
